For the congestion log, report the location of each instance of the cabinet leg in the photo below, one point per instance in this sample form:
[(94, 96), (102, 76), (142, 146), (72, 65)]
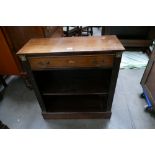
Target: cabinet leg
[(2, 80), (1, 96), (142, 96), (27, 82), (3, 126)]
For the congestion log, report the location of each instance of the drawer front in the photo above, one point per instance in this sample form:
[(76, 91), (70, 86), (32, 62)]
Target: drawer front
[(46, 62)]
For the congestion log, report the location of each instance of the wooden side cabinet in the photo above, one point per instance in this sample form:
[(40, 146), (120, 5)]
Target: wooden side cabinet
[(148, 80), (12, 38), (9, 63), (73, 77), (133, 38)]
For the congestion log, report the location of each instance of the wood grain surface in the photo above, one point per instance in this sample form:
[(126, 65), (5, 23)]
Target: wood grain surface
[(72, 44), (44, 62)]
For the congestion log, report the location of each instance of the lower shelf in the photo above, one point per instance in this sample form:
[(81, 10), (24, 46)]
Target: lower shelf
[(74, 103), (77, 115)]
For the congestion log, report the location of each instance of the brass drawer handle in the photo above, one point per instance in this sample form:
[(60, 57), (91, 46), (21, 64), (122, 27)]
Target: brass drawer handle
[(47, 63), (71, 62), (98, 62)]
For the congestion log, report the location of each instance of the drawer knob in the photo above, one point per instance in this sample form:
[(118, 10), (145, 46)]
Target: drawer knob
[(102, 63), (47, 63), (71, 62)]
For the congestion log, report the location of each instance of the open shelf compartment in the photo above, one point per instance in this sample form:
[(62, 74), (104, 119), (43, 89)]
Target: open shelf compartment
[(73, 81), (74, 103)]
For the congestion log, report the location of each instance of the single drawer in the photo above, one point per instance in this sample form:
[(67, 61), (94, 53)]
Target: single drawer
[(46, 62)]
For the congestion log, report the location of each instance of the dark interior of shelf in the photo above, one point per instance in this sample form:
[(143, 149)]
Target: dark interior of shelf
[(74, 103), (76, 81)]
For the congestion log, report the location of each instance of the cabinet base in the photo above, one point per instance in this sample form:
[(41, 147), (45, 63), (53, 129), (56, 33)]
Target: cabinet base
[(77, 115)]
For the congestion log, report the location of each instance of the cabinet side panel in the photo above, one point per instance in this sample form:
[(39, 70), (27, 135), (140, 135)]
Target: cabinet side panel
[(114, 76), (150, 84), (148, 69)]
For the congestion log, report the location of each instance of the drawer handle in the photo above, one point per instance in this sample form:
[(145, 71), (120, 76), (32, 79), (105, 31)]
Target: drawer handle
[(47, 63), (44, 63), (99, 63), (96, 62), (71, 62), (102, 63)]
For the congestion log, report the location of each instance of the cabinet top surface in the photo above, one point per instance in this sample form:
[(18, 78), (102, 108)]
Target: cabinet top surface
[(72, 44)]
